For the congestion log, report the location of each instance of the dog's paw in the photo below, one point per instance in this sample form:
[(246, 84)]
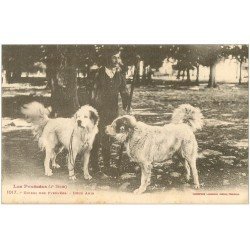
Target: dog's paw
[(87, 177), (48, 172), (56, 166), (139, 191), (73, 177), (196, 186)]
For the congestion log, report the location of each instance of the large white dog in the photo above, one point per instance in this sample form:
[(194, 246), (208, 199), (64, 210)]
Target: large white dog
[(148, 144), (76, 134)]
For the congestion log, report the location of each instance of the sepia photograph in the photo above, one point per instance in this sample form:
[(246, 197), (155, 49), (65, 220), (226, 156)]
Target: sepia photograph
[(124, 123)]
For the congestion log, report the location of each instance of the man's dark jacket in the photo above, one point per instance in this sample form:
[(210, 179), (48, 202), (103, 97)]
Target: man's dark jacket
[(105, 93)]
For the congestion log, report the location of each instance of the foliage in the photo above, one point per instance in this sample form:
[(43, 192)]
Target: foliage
[(29, 57), (239, 52)]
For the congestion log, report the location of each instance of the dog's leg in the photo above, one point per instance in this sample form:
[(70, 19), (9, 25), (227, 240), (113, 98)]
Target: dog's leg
[(190, 155), (53, 159), (187, 167), (71, 163), (192, 162), (48, 152), (85, 168), (145, 178)]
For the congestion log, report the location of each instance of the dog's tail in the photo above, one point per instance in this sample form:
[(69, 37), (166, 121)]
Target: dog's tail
[(188, 114), (37, 114)]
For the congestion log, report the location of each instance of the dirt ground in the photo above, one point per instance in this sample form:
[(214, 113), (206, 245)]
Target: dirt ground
[(223, 142)]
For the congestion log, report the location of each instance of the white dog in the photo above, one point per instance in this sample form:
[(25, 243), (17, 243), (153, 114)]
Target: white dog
[(76, 134), (148, 144)]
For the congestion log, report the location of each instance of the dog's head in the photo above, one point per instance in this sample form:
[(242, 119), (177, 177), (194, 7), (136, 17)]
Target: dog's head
[(121, 127), (86, 117), (35, 112)]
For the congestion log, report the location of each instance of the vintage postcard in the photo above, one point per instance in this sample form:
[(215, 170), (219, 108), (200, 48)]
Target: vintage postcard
[(122, 124)]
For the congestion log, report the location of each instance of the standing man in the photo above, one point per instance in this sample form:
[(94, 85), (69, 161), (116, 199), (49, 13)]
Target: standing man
[(108, 83)]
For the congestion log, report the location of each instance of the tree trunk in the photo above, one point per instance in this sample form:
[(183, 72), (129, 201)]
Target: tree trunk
[(178, 74), (8, 76), (62, 79), (16, 76), (240, 72), (188, 76), (197, 73), (4, 81), (87, 71), (149, 75), (136, 79), (212, 81), (183, 75), (144, 74), (51, 75)]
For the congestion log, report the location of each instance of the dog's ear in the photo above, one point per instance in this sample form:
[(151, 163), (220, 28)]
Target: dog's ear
[(125, 123), (129, 121), (94, 116)]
